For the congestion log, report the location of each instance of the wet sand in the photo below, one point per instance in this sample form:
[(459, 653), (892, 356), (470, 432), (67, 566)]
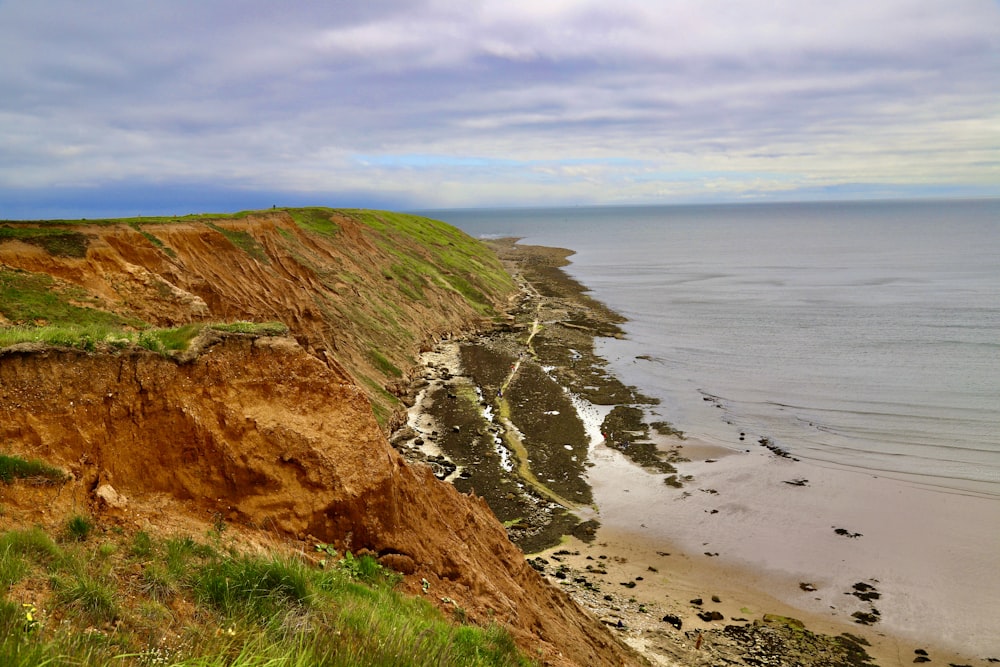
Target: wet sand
[(762, 533)]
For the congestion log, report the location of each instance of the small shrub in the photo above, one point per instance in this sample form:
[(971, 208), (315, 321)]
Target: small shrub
[(365, 568), (79, 527)]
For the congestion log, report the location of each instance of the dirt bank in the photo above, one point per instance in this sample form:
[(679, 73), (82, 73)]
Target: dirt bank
[(263, 434), (278, 436)]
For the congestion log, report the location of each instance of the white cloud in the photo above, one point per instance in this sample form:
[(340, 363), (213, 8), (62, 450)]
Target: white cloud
[(601, 101)]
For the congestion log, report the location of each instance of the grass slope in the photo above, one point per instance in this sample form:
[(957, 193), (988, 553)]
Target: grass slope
[(94, 597)]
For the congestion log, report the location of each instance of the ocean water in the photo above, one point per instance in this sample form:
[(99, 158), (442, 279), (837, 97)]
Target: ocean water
[(864, 335)]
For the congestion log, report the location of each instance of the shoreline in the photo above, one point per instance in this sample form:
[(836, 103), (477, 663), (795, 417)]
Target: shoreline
[(635, 532)]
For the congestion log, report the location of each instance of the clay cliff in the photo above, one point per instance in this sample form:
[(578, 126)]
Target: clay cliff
[(274, 434)]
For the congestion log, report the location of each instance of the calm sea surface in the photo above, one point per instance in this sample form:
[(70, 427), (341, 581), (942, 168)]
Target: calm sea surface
[(860, 334)]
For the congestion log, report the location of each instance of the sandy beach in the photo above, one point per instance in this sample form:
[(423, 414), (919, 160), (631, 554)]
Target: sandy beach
[(742, 533), (750, 538)]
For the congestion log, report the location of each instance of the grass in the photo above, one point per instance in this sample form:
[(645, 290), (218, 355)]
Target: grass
[(164, 341), (27, 298), (157, 243), (437, 252), (385, 366), (377, 303), (315, 220), (15, 467), (244, 241), (56, 241), (252, 328), (78, 527), (99, 602)]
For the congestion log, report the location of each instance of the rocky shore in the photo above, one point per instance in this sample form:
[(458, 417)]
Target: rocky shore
[(519, 415), (506, 414)]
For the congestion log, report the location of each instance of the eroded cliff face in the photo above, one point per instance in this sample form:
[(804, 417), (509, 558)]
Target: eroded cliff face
[(275, 435), (259, 432), (360, 290)]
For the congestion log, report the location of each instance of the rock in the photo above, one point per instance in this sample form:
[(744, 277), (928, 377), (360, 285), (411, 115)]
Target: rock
[(716, 598), (846, 533), (708, 616), (111, 498), (673, 620), (865, 592), (807, 587), (865, 618), (696, 601)]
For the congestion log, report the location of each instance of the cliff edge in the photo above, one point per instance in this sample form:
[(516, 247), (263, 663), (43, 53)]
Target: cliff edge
[(279, 435)]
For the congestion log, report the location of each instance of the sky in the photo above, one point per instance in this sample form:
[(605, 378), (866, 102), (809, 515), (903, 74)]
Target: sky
[(118, 107)]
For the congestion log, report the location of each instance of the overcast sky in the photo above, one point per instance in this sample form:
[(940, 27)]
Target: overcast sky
[(125, 107)]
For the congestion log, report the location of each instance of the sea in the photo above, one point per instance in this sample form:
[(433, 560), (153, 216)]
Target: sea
[(863, 335)]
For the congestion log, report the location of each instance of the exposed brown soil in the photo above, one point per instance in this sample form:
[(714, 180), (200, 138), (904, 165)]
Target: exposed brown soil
[(335, 293), (273, 435)]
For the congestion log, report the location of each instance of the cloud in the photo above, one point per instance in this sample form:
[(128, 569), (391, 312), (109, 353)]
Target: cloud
[(493, 102)]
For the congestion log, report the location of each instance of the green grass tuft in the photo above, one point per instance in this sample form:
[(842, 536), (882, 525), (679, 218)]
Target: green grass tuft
[(33, 542), (78, 528), (92, 596), (15, 467)]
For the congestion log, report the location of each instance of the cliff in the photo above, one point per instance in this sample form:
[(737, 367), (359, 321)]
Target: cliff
[(275, 434), (360, 290)]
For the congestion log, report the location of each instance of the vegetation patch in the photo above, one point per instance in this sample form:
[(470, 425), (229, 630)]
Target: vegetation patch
[(118, 601), (315, 220), (157, 243), (14, 467), (33, 298), (244, 241), (162, 341), (252, 328), (435, 250), (55, 240), (385, 366)]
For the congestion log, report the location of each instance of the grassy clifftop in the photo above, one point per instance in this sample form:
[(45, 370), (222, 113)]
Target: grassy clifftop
[(362, 289)]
